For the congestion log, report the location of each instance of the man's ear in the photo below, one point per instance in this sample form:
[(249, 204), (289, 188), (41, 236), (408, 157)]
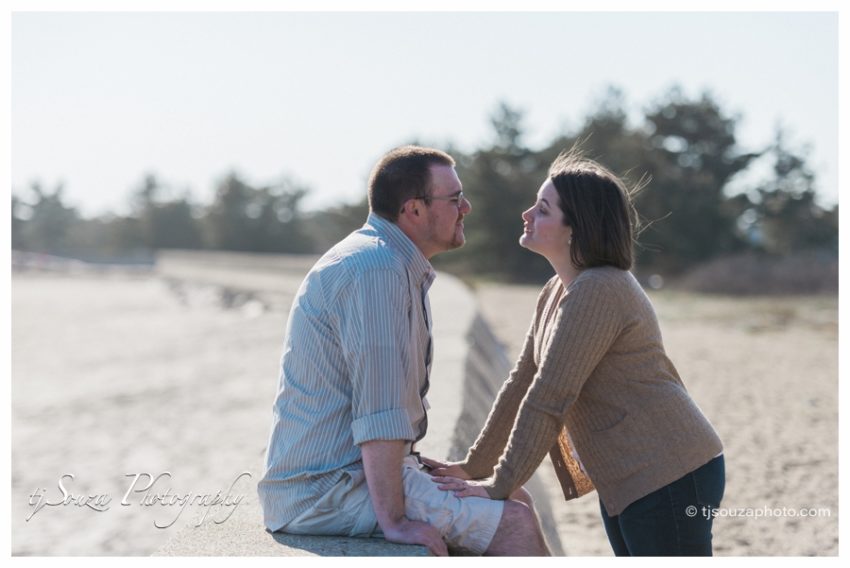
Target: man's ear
[(411, 207)]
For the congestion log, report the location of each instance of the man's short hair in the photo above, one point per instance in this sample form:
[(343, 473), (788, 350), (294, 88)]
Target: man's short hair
[(403, 173)]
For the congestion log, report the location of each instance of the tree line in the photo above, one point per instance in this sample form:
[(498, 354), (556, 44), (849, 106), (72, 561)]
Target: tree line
[(704, 197)]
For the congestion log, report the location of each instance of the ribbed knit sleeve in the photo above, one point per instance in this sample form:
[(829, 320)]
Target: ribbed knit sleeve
[(585, 326), (485, 452)]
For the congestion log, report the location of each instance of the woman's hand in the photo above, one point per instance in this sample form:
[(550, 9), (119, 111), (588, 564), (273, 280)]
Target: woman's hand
[(461, 487), (447, 469)]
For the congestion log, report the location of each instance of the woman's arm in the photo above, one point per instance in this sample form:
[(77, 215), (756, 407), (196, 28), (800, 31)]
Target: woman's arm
[(490, 444), (587, 323)]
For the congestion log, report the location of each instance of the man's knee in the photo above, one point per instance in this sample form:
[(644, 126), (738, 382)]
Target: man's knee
[(523, 496), (517, 534), (518, 513)]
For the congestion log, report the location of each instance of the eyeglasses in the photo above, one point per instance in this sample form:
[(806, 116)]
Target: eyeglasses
[(456, 198)]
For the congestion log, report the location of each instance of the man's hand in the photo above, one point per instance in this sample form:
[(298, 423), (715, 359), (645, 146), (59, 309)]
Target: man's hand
[(448, 469), (461, 487), (415, 532), (382, 464)]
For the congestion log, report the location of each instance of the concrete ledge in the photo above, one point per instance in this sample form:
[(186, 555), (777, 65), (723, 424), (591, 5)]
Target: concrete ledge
[(469, 367), (245, 536)]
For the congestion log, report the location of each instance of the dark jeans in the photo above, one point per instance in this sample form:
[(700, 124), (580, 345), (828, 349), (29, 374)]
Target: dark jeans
[(673, 521)]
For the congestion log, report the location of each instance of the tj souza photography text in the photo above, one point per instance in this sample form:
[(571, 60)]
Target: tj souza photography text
[(143, 483)]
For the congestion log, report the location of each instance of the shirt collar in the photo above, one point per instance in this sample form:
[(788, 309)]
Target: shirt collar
[(414, 260)]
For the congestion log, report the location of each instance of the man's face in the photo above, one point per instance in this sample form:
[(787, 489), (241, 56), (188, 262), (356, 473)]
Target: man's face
[(445, 213)]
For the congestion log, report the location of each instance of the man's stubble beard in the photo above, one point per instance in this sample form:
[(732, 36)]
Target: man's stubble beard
[(445, 244)]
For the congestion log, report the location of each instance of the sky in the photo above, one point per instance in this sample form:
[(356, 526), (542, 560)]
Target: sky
[(98, 100)]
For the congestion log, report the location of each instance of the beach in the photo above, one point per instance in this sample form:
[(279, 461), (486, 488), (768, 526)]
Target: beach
[(117, 376)]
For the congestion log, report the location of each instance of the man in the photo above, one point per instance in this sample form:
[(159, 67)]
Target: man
[(354, 374)]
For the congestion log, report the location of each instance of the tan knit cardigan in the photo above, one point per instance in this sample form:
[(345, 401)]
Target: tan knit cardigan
[(593, 372)]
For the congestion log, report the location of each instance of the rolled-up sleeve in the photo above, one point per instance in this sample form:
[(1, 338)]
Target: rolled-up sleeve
[(375, 333)]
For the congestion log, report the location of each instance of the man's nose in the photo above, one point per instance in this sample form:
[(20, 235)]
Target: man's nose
[(466, 205)]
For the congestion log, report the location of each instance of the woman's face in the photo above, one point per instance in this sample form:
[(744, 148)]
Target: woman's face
[(545, 232)]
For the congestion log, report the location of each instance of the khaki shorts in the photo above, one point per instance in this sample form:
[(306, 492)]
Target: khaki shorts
[(467, 525)]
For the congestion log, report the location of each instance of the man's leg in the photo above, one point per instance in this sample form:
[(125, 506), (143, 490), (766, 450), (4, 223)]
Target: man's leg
[(523, 496), (518, 533), (343, 510), (468, 525)]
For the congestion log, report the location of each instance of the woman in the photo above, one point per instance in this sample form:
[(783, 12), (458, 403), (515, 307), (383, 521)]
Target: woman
[(593, 386)]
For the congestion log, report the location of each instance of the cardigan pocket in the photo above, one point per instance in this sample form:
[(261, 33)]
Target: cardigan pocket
[(616, 434), (614, 450), (610, 424)]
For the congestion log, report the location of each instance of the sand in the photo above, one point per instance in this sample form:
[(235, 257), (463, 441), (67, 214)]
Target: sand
[(116, 375)]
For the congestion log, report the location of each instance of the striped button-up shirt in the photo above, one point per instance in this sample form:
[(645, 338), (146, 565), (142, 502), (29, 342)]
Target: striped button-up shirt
[(355, 366)]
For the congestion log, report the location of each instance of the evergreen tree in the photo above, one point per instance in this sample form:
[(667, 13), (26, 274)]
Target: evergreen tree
[(786, 214), (691, 155), (49, 221)]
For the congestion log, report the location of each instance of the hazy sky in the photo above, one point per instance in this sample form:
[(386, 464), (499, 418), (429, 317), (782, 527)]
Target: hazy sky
[(98, 100)]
